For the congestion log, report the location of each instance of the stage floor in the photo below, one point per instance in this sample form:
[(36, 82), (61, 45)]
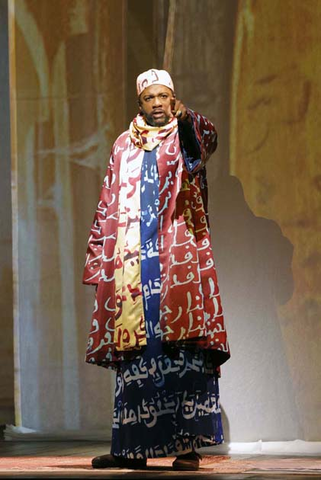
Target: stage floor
[(30, 459)]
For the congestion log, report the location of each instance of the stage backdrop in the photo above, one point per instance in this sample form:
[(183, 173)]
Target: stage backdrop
[(252, 67), (67, 85), (6, 288)]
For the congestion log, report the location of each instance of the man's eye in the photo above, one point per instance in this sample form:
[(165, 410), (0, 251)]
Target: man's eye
[(164, 95), (147, 99)]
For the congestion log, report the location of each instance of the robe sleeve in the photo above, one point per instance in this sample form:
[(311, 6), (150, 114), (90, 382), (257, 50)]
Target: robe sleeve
[(198, 140), (98, 231)]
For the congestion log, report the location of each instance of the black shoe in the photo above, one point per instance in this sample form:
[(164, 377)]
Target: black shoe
[(111, 461), (189, 461)]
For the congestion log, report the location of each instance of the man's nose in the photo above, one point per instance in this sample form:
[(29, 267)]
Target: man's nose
[(157, 102)]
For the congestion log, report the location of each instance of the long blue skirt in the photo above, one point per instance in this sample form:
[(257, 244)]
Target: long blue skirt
[(166, 399)]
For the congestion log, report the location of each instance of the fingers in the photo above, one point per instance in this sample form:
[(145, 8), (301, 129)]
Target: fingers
[(173, 102), (180, 111)]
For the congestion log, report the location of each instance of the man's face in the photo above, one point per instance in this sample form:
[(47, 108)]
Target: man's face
[(155, 103)]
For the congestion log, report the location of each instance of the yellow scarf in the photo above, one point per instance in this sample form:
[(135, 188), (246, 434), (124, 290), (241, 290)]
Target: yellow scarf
[(147, 137)]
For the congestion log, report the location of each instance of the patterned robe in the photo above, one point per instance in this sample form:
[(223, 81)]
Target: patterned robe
[(190, 312)]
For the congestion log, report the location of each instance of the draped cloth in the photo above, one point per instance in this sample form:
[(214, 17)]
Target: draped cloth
[(147, 136), (158, 317), (166, 401), (190, 311)]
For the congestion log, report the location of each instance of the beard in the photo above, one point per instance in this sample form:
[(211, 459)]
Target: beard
[(155, 122)]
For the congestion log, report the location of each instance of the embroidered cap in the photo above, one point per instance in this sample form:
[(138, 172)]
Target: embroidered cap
[(153, 77)]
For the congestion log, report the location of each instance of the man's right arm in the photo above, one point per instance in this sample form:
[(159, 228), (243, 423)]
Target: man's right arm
[(198, 139)]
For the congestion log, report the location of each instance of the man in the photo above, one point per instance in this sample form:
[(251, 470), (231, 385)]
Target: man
[(158, 318)]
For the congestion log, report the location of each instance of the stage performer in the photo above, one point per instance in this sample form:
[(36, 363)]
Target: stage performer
[(158, 318)]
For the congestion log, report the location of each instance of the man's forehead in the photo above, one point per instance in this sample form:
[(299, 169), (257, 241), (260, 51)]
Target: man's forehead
[(155, 90)]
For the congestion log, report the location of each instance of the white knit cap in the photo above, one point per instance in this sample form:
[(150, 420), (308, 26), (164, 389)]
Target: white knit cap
[(153, 77)]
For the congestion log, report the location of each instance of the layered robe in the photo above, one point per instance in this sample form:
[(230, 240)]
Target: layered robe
[(190, 311), (158, 316)]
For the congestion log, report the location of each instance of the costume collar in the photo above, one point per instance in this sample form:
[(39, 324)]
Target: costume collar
[(148, 137)]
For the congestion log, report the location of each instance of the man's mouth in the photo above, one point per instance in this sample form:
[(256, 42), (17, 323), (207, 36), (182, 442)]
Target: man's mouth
[(158, 113)]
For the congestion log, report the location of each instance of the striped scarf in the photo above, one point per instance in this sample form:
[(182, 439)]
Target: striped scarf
[(147, 137)]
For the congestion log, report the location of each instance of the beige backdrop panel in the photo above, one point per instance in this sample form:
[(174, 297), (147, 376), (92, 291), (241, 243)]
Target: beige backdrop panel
[(275, 141), (252, 256), (67, 81), (67, 102), (6, 300)]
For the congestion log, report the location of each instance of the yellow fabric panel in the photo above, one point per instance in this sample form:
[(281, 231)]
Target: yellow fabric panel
[(275, 152)]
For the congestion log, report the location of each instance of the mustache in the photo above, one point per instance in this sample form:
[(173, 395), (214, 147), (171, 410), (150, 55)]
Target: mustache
[(154, 123)]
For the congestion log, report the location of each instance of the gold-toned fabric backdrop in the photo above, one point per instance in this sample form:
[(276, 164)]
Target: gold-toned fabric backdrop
[(275, 152), (67, 100), (252, 67), (253, 258), (264, 201), (6, 288)]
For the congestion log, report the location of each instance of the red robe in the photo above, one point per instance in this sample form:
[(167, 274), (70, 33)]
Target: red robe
[(190, 304)]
